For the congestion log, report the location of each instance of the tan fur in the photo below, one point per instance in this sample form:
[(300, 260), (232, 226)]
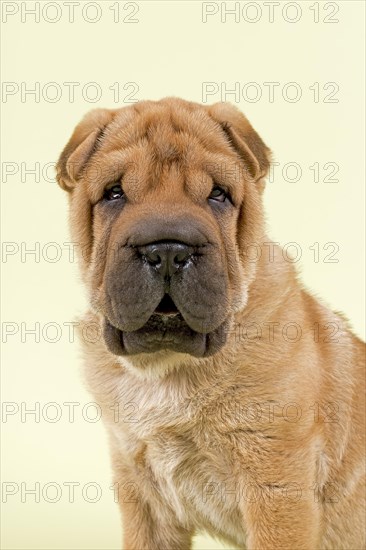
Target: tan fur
[(261, 444)]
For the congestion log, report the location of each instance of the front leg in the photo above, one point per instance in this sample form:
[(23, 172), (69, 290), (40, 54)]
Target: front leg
[(143, 529), (277, 523), (148, 523)]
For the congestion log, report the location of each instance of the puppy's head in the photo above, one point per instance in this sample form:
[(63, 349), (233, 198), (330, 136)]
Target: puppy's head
[(164, 205)]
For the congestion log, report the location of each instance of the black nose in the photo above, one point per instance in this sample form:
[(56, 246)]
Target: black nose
[(166, 257)]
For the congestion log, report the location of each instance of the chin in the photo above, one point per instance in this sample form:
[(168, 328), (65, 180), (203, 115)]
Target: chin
[(164, 343), (157, 364), (160, 334)]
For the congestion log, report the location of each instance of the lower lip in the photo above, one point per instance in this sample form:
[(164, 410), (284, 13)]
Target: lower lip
[(167, 315)]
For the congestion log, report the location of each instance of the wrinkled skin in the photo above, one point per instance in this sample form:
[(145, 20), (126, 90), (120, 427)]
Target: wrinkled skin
[(167, 159), (199, 370)]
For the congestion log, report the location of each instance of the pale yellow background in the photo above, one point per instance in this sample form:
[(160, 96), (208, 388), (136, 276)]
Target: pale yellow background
[(169, 52)]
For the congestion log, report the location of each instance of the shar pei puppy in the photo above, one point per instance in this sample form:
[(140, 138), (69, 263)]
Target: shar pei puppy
[(233, 399)]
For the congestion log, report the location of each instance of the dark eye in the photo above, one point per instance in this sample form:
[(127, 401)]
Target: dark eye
[(218, 194), (113, 193)]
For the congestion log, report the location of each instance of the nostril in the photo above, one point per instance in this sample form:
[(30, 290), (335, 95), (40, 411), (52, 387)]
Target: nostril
[(154, 261), (166, 257), (181, 257), (151, 255)]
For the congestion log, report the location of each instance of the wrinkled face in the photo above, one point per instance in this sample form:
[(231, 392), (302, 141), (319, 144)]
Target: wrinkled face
[(164, 199)]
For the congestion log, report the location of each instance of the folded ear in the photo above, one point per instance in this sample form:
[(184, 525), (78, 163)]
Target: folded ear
[(81, 146), (243, 138)]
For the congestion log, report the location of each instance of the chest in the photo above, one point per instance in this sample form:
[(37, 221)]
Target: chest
[(181, 460)]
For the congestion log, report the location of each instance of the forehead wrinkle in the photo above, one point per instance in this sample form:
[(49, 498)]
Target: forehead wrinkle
[(199, 124), (164, 145), (172, 180), (125, 137), (153, 136), (129, 126), (132, 166), (107, 165), (172, 129)]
